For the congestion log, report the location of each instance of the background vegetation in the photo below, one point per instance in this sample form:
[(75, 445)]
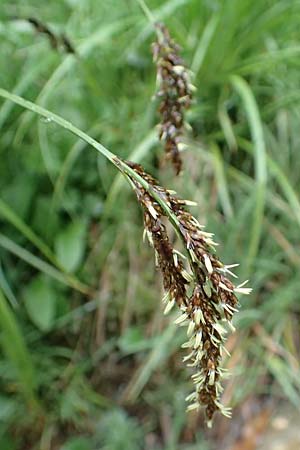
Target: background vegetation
[(87, 360)]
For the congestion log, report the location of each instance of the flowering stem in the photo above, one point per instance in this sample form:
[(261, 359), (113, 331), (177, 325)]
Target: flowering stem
[(213, 299), (147, 11), (151, 18), (167, 210), (114, 159)]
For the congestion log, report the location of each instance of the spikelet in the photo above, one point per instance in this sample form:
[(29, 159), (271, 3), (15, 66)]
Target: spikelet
[(207, 312), (174, 93)]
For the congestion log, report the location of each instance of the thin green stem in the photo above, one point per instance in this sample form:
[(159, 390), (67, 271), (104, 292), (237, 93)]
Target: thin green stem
[(117, 162), (147, 11), (151, 19)]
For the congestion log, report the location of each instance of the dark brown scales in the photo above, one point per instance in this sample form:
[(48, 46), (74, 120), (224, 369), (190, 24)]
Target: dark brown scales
[(213, 300), (174, 93)]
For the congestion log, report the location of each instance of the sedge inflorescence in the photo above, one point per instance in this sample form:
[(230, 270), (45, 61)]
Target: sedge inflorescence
[(174, 92), (203, 293)]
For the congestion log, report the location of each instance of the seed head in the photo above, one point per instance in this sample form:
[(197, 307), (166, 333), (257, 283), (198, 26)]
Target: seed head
[(207, 312), (174, 93)]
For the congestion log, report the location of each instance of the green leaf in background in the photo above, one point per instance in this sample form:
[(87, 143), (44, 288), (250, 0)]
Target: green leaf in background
[(73, 404), (18, 195), (77, 443), (6, 443), (286, 378), (7, 408), (40, 302), (118, 431), (133, 341), (14, 345), (70, 246)]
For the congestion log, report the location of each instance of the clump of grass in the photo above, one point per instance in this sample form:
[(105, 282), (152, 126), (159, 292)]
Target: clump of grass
[(205, 296), (258, 46)]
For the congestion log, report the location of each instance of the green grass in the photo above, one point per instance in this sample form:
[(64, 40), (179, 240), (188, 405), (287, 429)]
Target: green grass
[(102, 357)]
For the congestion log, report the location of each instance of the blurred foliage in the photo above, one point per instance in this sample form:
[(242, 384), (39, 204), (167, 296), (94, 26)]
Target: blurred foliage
[(88, 360)]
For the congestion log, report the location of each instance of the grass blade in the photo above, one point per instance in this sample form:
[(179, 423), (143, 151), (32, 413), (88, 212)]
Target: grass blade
[(286, 187), (41, 265), (136, 155), (18, 223), (97, 38), (4, 285), (222, 182), (15, 347), (159, 353), (67, 165), (260, 164), (117, 162), (256, 127), (204, 42)]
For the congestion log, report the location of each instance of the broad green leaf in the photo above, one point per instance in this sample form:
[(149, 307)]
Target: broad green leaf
[(70, 246), (40, 302)]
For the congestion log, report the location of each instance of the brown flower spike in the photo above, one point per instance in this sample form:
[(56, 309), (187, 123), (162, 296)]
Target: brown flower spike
[(174, 92), (206, 312)]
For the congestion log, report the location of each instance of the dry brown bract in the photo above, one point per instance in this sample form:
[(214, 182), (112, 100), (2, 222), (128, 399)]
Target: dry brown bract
[(174, 93), (56, 40), (208, 311)]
